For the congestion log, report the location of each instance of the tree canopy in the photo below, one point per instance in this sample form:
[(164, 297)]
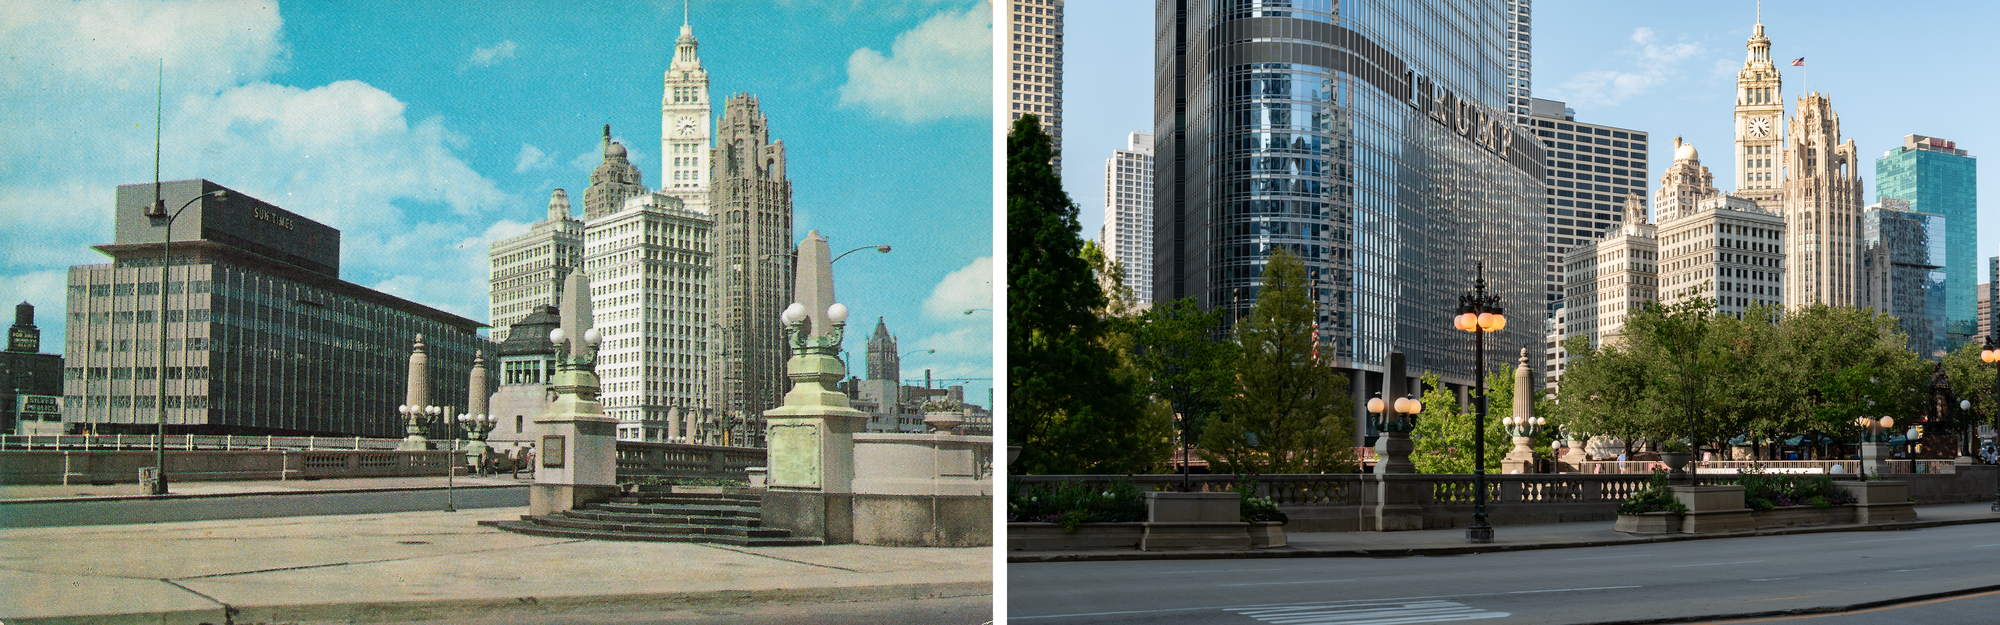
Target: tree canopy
[(1289, 414)]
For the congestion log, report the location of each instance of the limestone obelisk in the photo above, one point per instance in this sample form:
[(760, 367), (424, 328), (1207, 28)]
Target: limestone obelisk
[(577, 456), (810, 485)]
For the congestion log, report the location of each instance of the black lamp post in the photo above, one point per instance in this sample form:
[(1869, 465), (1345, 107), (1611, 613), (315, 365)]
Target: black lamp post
[(1479, 313), (1992, 354), (158, 210)]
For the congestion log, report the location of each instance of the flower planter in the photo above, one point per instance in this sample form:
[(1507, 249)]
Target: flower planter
[(1795, 516), (1880, 501), (1649, 523), (1266, 534), (1052, 537)]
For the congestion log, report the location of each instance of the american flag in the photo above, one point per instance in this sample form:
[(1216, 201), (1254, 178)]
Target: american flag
[(1799, 62)]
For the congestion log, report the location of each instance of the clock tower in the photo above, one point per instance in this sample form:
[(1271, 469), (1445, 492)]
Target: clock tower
[(1760, 110), (685, 126)]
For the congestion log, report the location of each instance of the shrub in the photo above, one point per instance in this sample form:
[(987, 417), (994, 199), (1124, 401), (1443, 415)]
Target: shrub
[(1072, 504), (1764, 491), (1653, 498)]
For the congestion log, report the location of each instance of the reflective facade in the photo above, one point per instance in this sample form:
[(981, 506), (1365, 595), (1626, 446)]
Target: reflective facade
[(1904, 271), (1371, 139), (1938, 178)]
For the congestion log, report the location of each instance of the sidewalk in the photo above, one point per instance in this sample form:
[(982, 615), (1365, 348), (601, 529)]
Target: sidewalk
[(45, 492), (1506, 538), (427, 565)]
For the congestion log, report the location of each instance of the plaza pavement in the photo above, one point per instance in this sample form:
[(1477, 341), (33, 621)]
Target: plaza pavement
[(1506, 538), (417, 566)]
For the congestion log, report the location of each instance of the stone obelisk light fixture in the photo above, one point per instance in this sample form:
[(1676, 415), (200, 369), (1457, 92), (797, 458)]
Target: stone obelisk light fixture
[(416, 408), (475, 420), (1523, 425), (811, 436), (578, 451)]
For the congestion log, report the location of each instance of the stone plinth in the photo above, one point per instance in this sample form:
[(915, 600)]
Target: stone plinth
[(1880, 501), (1875, 458), (578, 452), (1521, 459), (922, 490), (1193, 507), (1392, 454), (1713, 509)]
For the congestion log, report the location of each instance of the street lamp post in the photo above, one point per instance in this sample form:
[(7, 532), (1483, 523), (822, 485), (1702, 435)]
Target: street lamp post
[(1992, 354), (158, 210), (1479, 313), (879, 248)]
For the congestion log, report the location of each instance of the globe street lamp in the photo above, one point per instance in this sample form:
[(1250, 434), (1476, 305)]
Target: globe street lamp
[(414, 431), (158, 210), (1392, 449), (476, 428), (879, 248), (1991, 354), (1479, 313)]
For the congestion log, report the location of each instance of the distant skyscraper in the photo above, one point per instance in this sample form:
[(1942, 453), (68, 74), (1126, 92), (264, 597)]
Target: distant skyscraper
[(1822, 208), (884, 362), (751, 204), (1385, 163), (685, 121), (1985, 310), (528, 268), (649, 267), (614, 181), (1611, 279), (1128, 213), (1035, 65), (1519, 61), (1937, 178), (1591, 168), (1904, 272)]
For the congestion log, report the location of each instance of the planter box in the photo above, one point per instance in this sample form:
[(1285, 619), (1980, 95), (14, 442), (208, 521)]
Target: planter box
[(1168, 535), (1649, 523), (1880, 501), (1051, 537), (1266, 534), (1793, 516)]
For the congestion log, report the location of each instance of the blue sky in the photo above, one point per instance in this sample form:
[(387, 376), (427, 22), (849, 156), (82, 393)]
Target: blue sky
[(1668, 68), (424, 131)]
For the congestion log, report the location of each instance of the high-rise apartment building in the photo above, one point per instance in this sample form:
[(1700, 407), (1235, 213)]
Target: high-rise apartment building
[(263, 337), (1611, 279), (1936, 177), (1822, 208), (1729, 249), (1904, 272), (685, 126), (1590, 168), (1520, 37), (1389, 164), (650, 266), (751, 205), (1035, 64), (1128, 213), (528, 268)]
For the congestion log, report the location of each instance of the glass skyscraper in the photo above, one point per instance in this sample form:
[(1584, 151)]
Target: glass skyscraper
[(1371, 139), (1936, 177), (1903, 272)]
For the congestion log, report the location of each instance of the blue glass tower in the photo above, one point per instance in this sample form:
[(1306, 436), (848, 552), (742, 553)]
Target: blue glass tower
[(1904, 273), (1936, 177)]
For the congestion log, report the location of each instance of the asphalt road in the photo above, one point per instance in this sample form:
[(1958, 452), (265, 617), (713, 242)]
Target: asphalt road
[(118, 511), (1592, 585), (1977, 608)]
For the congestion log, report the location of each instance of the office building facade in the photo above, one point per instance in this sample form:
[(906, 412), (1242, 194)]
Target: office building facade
[(528, 268), (1936, 177), (1390, 167), (1727, 250), (1035, 77), (263, 337), (1590, 168), (1520, 60), (1822, 207), (1612, 279), (751, 206), (650, 266), (1128, 213), (1904, 255)]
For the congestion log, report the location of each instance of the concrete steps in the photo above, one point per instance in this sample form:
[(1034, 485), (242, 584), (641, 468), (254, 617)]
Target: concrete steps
[(660, 517)]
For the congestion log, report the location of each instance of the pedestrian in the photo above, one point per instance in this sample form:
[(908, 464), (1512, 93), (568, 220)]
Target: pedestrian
[(1621, 462)]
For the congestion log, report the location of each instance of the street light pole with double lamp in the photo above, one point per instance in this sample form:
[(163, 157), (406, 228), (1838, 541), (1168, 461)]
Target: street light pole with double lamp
[(1479, 313)]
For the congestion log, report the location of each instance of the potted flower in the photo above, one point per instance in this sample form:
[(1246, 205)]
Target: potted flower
[(1267, 522), (1675, 454), (1652, 510)]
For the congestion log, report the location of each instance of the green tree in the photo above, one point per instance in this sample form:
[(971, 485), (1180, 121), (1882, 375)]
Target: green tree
[(1443, 436), (1971, 380), (1290, 414), (1830, 346), (1183, 361), (1118, 298), (1068, 409), (1679, 342), (1600, 388)]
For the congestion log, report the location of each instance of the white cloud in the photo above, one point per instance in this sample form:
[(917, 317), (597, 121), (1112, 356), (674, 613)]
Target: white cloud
[(970, 287), (1652, 64), (531, 157), (490, 55), (942, 68)]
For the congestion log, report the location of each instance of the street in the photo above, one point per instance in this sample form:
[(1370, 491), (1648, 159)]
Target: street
[(1591, 585), (251, 506)]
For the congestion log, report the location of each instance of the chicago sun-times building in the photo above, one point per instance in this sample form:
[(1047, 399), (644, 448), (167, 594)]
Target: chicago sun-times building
[(263, 337), (1372, 140)]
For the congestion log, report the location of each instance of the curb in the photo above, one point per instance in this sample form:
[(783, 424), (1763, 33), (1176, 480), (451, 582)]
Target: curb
[(1288, 552), (173, 496), (525, 607), (1823, 610)]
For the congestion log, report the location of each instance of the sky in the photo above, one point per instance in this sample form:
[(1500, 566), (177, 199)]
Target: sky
[(1667, 68), (425, 131)]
